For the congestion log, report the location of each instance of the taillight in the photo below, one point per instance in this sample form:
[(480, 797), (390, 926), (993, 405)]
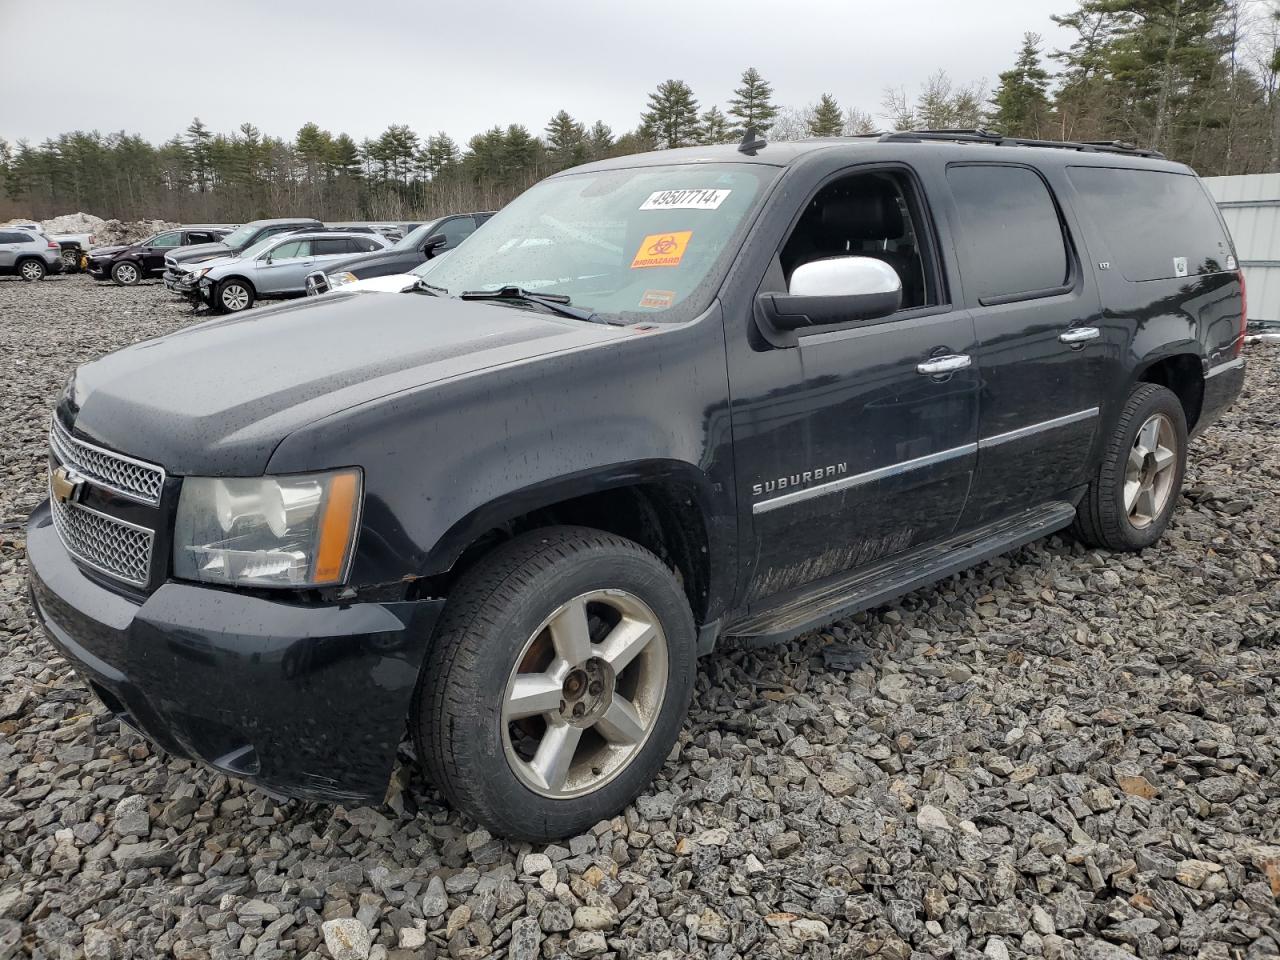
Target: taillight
[(1244, 314), (53, 246)]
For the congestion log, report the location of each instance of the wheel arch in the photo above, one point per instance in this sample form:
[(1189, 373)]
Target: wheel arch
[(665, 506), (1183, 375)]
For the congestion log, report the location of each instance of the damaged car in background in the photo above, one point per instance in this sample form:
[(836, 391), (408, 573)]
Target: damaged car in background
[(131, 263), (274, 267)]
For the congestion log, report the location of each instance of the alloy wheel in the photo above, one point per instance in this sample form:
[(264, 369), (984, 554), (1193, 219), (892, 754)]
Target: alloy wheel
[(127, 273), (1150, 471), (585, 694), (32, 271), (69, 259), (235, 297)]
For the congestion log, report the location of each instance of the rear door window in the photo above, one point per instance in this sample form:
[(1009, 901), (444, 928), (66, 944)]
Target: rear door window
[(1011, 240), (1157, 225), (292, 248), (328, 246)]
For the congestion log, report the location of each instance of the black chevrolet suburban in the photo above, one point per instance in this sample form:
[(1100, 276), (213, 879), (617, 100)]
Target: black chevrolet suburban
[(658, 401)]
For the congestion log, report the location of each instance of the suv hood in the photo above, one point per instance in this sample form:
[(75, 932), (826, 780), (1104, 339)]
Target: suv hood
[(199, 251), (217, 398)]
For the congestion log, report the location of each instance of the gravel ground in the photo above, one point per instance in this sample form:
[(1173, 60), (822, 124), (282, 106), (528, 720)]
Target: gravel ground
[(1061, 753)]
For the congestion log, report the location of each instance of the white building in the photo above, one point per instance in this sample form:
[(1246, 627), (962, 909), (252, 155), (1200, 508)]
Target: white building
[(1251, 207)]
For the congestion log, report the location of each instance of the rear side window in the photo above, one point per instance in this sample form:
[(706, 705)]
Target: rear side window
[(1010, 237), (366, 246), (1157, 225), (9, 237), (291, 249), (195, 237), (328, 246)]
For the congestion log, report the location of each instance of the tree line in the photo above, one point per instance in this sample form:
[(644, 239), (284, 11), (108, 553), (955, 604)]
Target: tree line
[(1195, 79)]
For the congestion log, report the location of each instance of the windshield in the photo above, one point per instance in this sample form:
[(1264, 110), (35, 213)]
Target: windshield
[(413, 239), (238, 237), (261, 246), (633, 244)]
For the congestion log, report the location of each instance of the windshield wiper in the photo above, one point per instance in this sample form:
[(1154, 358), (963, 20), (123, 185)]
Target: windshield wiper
[(422, 285), (556, 302)]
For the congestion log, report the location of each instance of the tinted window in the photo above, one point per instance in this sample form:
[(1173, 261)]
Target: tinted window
[(329, 246), (196, 237), (457, 230), (292, 248), (366, 246), (22, 238), (1156, 225), (1010, 238), (8, 237)]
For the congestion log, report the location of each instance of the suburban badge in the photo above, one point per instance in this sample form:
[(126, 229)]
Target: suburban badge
[(65, 485)]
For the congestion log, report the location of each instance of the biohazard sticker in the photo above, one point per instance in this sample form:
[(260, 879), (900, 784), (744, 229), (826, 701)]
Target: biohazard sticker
[(657, 299), (662, 250), (698, 199)]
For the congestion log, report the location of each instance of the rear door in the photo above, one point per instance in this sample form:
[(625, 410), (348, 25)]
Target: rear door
[(1045, 351), (9, 248)]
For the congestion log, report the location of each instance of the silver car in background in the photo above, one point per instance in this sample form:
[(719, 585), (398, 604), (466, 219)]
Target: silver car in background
[(28, 253), (274, 267)]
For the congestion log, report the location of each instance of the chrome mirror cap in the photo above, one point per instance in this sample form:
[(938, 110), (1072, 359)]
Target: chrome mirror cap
[(844, 277)]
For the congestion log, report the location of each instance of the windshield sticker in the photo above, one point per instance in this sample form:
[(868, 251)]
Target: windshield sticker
[(657, 299), (1179, 266), (697, 199), (662, 250)]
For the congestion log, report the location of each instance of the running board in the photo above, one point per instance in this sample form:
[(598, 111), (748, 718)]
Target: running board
[(871, 587)]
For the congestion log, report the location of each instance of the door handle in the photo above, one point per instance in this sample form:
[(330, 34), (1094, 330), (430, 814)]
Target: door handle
[(941, 365), (1080, 335)]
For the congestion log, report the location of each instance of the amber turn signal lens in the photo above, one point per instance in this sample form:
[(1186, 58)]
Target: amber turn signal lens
[(337, 527)]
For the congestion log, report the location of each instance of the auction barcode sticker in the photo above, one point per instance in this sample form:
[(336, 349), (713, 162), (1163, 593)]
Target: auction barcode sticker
[(696, 199)]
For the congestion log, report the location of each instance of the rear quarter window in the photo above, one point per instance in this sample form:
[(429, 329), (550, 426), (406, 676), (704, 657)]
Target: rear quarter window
[(1157, 225)]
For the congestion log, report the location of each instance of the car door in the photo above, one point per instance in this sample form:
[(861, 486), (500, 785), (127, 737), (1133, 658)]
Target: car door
[(152, 255), (856, 442), (283, 268), (9, 249), (1044, 350)]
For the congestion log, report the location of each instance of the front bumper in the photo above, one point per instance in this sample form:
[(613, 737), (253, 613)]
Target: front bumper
[(181, 282), (306, 701)]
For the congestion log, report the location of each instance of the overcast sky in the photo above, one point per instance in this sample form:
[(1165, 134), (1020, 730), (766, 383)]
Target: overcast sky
[(461, 67)]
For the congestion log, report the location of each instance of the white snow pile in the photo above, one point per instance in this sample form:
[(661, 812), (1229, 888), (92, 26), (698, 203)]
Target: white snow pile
[(104, 232), (73, 223)]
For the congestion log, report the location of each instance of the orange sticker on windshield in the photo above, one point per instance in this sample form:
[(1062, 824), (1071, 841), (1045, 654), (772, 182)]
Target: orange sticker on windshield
[(658, 299), (662, 250)]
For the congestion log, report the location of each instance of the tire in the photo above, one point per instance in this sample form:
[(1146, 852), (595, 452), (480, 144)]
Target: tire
[(515, 611), (126, 273), (1135, 490), (233, 295), (32, 270), (70, 261)]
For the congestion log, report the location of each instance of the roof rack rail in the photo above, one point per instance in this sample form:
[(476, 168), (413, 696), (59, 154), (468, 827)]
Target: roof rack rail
[(979, 135)]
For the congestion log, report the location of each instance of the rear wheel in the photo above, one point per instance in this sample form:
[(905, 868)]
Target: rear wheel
[(1133, 495), (233, 295), (126, 273), (32, 270), (70, 260), (557, 681)]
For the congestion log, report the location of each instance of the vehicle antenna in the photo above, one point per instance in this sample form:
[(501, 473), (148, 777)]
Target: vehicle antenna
[(752, 141)]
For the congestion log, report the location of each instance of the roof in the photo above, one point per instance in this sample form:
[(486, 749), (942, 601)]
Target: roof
[(274, 220), (953, 144)]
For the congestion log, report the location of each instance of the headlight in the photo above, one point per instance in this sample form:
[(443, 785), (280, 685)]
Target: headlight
[(338, 279), (197, 274), (295, 531)]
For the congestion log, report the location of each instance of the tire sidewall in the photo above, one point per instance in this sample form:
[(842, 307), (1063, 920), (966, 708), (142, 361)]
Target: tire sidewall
[(528, 813), (115, 273), (22, 270), (1158, 400), (224, 286)]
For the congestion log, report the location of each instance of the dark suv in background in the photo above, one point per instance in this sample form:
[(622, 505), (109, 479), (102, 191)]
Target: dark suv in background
[(424, 242), (126, 264), (656, 401), (233, 244)]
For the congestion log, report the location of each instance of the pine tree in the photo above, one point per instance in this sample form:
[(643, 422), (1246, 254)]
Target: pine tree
[(671, 119), (600, 140), (344, 157), (1021, 101), (315, 149), (441, 154), (199, 141), (751, 105), (566, 141), (827, 120), (713, 127)]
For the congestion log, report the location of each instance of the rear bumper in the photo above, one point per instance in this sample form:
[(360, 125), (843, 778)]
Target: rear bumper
[(1222, 384), (307, 701)]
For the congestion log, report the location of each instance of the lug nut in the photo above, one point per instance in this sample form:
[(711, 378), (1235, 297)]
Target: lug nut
[(596, 688), (579, 709)]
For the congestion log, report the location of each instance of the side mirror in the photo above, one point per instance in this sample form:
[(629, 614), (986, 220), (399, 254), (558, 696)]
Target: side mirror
[(433, 243), (835, 290)]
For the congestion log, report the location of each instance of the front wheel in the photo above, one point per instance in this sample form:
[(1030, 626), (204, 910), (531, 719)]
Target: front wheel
[(557, 681), (126, 273), (1133, 494), (32, 270), (232, 296)]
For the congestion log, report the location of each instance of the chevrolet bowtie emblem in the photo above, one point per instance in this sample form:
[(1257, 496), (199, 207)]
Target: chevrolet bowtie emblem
[(65, 484)]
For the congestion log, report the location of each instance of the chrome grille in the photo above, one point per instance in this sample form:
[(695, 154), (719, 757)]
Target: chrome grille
[(118, 473), (109, 545)]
